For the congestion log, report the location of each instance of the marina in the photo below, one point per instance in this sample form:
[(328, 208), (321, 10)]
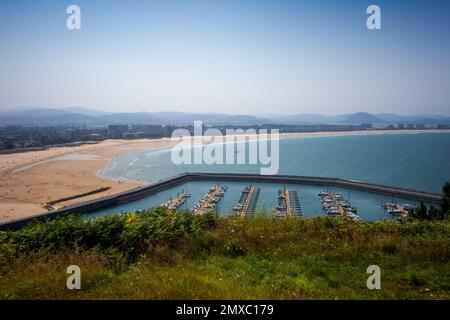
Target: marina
[(210, 200), (335, 204), (247, 201), (397, 209), (288, 203), (366, 197), (175, 204)]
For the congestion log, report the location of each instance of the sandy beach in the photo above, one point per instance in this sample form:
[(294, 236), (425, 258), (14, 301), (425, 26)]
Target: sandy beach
[(29, 180)]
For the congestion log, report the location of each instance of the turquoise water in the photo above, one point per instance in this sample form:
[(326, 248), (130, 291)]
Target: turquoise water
[(417, 161)]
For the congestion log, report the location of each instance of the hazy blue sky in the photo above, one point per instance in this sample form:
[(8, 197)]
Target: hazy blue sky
[(246, 56)]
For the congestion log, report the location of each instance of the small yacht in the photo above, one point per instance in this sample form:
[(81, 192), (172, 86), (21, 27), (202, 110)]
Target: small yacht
[(408, 207), (396, 212), (344, 204)]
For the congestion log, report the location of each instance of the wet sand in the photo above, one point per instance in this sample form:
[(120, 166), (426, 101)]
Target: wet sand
[(29, 180)]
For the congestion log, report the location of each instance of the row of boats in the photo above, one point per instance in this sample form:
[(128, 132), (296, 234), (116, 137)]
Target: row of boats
[(288, 204), (210, 200), (397, 209), (335, 204), (175, 204)]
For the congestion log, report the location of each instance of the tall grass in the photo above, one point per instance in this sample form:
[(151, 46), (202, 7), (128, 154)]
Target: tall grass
[(166, 255)]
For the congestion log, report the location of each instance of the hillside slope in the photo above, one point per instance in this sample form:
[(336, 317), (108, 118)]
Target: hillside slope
[(164, 255)]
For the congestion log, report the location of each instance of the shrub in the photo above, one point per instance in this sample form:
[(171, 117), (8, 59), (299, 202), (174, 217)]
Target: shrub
[(130, 233)]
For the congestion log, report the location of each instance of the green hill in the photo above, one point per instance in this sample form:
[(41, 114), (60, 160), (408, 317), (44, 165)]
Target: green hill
[(166, 255)]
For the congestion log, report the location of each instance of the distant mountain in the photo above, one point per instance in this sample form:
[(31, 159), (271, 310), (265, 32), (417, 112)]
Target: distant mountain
[(43, 117), (433, 121), (180, 118), (420, 118), (86, 111), (270, 115), (83, 116), (16, 109), (311, 118), (308, 118), (78, 116), (361, 117)]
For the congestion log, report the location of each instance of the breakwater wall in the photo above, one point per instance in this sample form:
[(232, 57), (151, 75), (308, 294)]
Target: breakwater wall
[(153, 188), (81, 195), (323, 181)]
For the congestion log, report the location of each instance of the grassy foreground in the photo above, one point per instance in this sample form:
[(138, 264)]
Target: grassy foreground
[(164, 255)]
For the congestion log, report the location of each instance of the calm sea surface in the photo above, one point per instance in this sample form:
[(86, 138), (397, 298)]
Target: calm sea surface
[(417, 161)]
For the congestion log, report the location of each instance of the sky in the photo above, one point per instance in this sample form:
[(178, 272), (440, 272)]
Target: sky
[(228, 56)]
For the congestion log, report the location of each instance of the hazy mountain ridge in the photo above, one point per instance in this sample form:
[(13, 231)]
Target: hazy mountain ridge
[(80, 116), (362, 117), (86, 111)]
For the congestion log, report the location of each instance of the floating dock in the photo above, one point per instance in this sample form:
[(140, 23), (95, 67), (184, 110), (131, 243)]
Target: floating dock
[(288, 203), (295, 203), (335, 204), (247, 201), (175, 204), (210, 200)]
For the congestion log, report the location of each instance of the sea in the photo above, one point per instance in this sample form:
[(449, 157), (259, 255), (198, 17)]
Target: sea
[(419, 161)]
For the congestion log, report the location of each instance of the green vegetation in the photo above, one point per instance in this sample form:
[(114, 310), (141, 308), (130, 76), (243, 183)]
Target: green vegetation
[(166, 255), (433, 213)]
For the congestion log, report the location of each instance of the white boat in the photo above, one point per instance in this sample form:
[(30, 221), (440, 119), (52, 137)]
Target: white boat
[(333, 210), (396, 212)]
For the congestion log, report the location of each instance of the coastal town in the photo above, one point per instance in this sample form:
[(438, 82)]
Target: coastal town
[(17, 138)]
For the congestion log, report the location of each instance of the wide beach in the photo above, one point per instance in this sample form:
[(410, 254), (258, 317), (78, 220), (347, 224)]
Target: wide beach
[(29, 180)]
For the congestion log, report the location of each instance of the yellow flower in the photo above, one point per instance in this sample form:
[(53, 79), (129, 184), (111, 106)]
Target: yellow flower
[(132, 219), (171, 217)]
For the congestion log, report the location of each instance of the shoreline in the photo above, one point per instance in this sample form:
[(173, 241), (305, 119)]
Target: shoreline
[(30, 179), (297, 135)]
